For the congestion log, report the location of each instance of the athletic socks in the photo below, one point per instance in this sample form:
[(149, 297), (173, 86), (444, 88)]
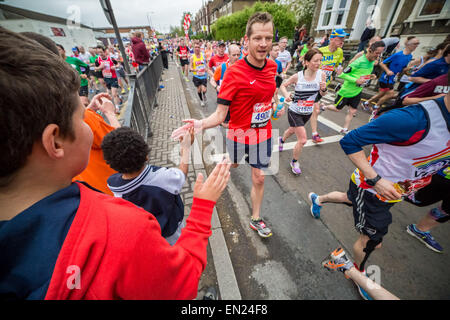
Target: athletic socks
[(200, 95)]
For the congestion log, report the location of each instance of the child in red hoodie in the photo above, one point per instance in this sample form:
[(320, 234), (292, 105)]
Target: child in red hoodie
[(63, 240)]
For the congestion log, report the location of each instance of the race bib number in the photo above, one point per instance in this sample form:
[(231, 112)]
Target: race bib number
[(304, 107), (328, 69), (201, 71), (261, 115), (107, 71)]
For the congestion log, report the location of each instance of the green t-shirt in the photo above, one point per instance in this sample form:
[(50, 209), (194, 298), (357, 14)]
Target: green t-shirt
[(359, 67), (77, 64), (330, 61)]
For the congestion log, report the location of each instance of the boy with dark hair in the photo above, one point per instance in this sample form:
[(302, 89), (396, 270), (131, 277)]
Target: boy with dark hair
[(63, 240), (155, 189)]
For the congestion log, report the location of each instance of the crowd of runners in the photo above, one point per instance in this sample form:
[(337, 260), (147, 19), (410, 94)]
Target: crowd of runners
[(410, 154), (61, 140)]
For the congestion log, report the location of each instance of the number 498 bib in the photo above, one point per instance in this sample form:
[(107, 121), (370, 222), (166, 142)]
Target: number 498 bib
[(261, 115)]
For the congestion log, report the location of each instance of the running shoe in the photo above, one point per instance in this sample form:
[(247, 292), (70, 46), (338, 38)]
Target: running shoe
[(425, 237), (363, 292), (260, 226), (210, 294), (123, 91), (373, 115), (315, 207), (202, 103), (365, 106), (316, 138), (280, 144), (296, 167), (337, 260), (343, 131), (322, 108)]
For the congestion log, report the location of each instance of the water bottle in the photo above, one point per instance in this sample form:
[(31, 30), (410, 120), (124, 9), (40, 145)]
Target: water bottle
[(279, 107)]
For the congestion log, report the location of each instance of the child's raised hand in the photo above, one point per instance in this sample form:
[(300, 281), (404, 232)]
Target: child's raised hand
[(212, 188)]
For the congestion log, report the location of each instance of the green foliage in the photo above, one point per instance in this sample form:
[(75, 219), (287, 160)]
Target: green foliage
[(232, 27), (303, 10)]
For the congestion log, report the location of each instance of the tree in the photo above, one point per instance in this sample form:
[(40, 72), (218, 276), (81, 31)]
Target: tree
[(232, 27), (303, 9)]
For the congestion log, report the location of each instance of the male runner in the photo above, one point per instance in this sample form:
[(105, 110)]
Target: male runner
[(82, 69), (357, 75), (217, 59), (199, 68), (410, 145), (391, 66), (273, 55), (216, 81), (284, 56), (107, 66), (183, 55), (247, 91), (331, 62)]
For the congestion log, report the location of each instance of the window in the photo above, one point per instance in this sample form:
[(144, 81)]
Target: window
[(432, 7), (333, 14)]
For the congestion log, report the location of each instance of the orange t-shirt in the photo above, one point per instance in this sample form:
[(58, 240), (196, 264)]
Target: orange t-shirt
[(97, 170)]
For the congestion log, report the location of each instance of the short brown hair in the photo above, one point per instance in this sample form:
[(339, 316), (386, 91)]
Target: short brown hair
[(38, 89), (310, 54), (257, 17)]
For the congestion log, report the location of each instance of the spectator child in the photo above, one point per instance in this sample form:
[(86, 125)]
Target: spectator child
[(155, 189)]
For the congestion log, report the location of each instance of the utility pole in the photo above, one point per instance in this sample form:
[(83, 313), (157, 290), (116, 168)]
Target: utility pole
[(107, 9)]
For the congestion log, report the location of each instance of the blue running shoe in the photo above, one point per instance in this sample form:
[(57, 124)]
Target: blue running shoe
[(425, 237), (315, 208), (363, 293)]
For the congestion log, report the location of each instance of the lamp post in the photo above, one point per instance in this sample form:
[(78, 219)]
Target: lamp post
[(149, 19)]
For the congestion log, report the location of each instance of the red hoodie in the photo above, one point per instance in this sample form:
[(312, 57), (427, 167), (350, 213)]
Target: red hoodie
[(140, 51), (114, 250)]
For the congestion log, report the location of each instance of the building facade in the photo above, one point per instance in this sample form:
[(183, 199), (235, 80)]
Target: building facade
[(60, 30), (429, 20)]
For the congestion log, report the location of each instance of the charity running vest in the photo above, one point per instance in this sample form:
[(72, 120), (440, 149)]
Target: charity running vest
[(411, 167), (199, 66), (305, 94), (106, 71)]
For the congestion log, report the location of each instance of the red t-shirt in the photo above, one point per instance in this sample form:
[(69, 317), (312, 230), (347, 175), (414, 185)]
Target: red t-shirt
[(248, 91), (217, 61), (184, 52)]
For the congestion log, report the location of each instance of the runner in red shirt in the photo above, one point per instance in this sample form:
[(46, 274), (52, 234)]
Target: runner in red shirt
[(218, 59), (183, 54), (247, 91)]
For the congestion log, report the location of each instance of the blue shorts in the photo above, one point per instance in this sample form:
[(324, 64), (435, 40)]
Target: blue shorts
[(111, 82), (257, 155)]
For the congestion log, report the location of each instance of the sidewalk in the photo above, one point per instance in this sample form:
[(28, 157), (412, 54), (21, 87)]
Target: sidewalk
[(172, 109)]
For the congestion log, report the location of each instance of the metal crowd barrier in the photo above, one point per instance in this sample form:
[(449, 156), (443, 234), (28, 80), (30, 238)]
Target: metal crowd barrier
[(142, 98)]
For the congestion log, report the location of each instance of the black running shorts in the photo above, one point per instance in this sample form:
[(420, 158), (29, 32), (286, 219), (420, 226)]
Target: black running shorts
[(372, 216)]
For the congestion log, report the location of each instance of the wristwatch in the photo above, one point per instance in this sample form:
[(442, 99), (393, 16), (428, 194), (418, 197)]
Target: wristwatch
[(372, 182)]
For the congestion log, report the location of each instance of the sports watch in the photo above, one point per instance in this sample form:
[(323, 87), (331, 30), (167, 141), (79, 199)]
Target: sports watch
[(372, 182)]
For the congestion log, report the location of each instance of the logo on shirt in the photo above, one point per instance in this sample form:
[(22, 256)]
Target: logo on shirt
[(252, 82)]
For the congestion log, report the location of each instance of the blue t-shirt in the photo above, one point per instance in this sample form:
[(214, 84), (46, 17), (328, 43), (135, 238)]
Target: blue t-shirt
[(279, 66), (429, 71), (397, 62)]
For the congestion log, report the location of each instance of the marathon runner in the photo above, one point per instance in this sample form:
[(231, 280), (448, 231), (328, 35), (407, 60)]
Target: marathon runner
[(331, 62), (199, 68), (273, 55), (247, 91), (107, 66), (357, 75), (183, 55), (310, 83), (410, 145), (216, 81), (218, 58), (284, 56), (82, 69), (391, 66)]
